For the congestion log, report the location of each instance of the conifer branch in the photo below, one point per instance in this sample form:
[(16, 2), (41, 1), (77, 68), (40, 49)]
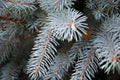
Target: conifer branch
[(65, 61), (60, 67), (86, 65), (103, 8), (56, 21), (90, 58), (55, 5), (6, 46), (16, 11), (112, 23), (60, 71), (70, 26), (108, 50), (43, 55), (22, 2), (43, 52)]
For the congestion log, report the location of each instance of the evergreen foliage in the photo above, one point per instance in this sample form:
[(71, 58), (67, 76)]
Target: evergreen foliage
[(52, 40)]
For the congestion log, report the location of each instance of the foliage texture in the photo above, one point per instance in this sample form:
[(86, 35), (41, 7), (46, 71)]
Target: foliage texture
[(59, 39)]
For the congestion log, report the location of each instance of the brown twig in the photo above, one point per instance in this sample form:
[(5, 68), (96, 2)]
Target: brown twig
[(15, 20)]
